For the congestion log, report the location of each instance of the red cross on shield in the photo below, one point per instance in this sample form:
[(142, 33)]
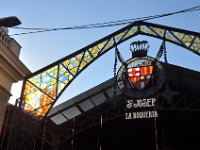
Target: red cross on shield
[(140, 76)]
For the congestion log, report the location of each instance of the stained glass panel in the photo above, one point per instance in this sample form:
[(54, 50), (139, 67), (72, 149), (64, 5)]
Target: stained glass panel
[(196, 45), (34, 98), (160, 32), (187, 40), (46, 81), (95, 51), (109, 44), (64, 77), (130, 32), (178, 35), (147, 30), (120, 36), (171, 37)]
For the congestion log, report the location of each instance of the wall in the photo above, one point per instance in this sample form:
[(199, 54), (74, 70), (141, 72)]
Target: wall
[(12, 69)]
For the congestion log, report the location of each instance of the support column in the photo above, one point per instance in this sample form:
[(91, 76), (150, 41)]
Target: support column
[(55, 140)]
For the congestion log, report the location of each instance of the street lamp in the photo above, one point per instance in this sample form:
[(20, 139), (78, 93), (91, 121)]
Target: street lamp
[(9, 21)]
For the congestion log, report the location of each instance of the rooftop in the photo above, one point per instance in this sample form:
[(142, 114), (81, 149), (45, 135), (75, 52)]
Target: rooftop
[(181, 79)]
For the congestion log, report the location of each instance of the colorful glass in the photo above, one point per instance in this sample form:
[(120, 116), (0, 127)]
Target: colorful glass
[(42, 89)]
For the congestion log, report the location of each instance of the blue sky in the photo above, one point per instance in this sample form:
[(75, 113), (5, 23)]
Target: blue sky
[(39, 50)]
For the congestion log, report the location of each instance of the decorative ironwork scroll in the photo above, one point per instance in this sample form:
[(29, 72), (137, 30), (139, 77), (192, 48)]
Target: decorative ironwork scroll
[(42, 88)]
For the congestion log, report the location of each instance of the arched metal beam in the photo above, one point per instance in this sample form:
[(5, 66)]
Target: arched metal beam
[(42, 89)]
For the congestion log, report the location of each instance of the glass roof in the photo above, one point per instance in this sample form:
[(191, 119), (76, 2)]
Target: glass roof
[(82, 103)]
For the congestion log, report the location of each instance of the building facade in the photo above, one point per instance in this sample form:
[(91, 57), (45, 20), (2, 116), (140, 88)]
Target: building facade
[(12, 69), (97, 120)]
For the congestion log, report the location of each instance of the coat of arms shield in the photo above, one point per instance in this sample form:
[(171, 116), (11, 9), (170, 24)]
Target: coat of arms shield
[(140, 76)]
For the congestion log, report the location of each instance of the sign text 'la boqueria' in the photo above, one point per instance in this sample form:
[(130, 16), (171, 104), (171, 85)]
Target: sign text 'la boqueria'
[(141, 103)]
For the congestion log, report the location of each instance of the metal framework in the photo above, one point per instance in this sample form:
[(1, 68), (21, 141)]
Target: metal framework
[(167, 100), (42, 89)]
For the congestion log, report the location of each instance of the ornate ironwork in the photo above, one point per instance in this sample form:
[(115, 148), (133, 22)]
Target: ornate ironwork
[(179, 101), (42, 88)]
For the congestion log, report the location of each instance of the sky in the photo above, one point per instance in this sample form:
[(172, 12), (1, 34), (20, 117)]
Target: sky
[(39, 50)]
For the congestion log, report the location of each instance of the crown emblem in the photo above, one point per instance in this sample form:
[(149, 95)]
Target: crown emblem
[(139, 48)]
